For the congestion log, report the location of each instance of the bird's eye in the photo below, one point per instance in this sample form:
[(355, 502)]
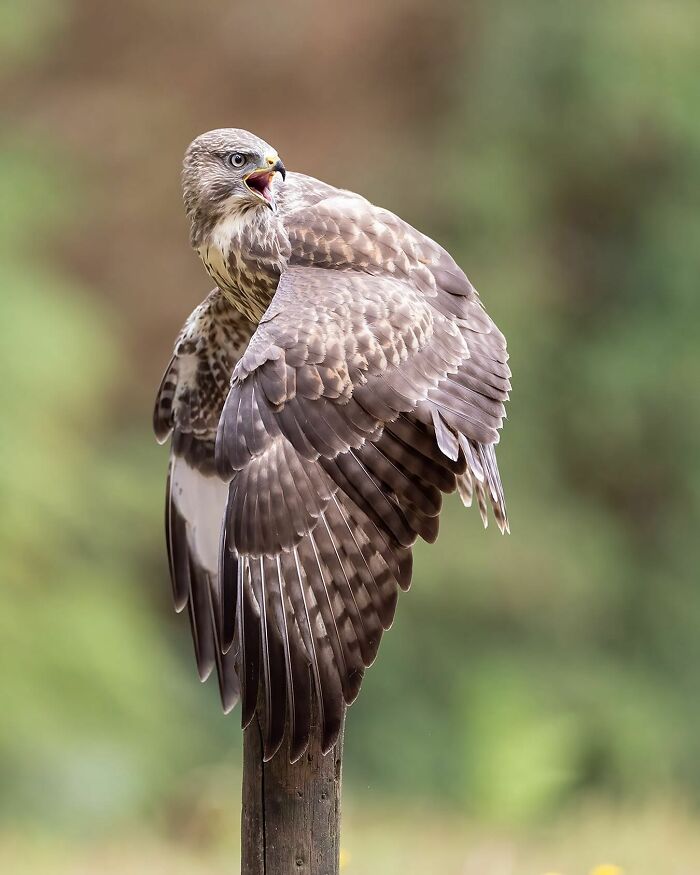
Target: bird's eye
[(236, 159)]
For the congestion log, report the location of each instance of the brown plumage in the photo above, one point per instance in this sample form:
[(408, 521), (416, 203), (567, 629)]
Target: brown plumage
[(373, 383)]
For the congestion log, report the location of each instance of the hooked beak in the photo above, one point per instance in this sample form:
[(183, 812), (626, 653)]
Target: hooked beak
[(259, 182)]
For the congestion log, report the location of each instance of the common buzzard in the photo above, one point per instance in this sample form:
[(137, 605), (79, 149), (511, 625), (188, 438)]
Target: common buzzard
[(339, 379)]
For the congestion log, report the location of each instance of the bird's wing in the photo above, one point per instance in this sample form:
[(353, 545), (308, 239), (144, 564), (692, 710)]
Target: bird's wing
[(344, 231), (188, 407), (340, 230), (356, 405)]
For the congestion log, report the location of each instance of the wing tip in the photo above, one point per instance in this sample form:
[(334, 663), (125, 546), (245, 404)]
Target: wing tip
[(161, 433), (180, 603)]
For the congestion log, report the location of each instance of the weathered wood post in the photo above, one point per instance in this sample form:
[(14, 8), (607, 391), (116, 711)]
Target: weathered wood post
[(290, 820)]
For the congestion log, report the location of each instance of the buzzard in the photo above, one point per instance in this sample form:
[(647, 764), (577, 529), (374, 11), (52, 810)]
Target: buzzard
[(341, 376)]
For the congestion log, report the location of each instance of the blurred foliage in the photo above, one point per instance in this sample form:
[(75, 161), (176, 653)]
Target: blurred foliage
[(26, 29), (595, 840), (523, 674)]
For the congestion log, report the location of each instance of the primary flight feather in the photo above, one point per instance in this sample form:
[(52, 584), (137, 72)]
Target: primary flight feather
[(339, 379)]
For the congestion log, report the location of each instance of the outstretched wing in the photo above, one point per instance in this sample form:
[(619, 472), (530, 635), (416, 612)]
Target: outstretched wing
[(188, 407), (361, 398)]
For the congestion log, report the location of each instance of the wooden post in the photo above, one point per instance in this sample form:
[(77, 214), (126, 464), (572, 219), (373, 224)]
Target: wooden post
[(290, 821)]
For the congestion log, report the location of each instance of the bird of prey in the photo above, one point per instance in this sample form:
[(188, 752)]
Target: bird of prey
[(339, 379)]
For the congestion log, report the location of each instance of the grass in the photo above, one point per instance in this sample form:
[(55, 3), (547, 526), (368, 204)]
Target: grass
[(595, 840)]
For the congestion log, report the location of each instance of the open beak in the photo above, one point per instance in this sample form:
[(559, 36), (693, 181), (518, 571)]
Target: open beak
[(260, 180)]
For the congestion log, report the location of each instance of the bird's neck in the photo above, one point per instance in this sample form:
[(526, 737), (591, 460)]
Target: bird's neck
[(245, 253)]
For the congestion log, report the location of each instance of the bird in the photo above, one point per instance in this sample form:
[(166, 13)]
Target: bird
[(341, 377)]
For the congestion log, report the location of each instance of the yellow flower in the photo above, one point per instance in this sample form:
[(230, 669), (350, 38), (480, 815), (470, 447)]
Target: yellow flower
[(345, 859), (606, 869)]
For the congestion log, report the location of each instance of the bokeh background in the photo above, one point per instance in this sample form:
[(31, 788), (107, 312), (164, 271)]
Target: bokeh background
[(535, 707)]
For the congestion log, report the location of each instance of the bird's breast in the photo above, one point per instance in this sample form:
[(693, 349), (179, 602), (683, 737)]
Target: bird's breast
[(247, 279)]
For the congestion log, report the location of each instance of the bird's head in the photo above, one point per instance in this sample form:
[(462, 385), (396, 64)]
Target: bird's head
[(228, 171)]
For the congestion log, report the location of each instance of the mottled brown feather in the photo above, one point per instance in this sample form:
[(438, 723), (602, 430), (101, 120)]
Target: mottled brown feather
[(374, 383)]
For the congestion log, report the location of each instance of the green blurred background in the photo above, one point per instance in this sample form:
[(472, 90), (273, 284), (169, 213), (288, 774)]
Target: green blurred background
[(535, 707)]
